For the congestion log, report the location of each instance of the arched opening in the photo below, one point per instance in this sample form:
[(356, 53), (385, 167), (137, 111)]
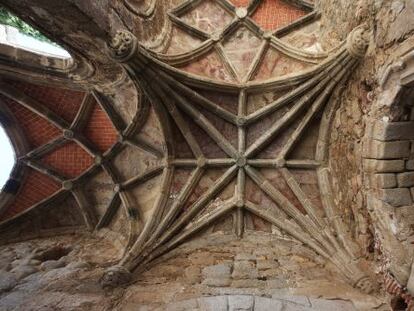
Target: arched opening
[(15, 32), (7, 158)]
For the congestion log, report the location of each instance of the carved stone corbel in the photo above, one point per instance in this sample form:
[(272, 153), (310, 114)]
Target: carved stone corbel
[(123, 46), (357, 42)]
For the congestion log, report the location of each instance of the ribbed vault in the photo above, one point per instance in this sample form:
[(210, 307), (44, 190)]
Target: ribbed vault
[(231, 124)]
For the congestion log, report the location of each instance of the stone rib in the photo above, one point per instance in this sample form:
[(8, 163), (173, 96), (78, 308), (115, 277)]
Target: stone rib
[(46, 148), (325, 87), (83, 113), (141, 178), (110, 212), (144, 145), (177, 204), (288, 207), (199, 99), (286, 99), (191, 230), (301, 236), (195, 208), (86, 208)]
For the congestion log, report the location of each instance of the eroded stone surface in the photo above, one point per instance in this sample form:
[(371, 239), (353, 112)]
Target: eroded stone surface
[(59, 273)]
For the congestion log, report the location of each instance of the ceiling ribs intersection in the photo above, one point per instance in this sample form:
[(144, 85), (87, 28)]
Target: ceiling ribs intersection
[(174, 95), (73, 132)]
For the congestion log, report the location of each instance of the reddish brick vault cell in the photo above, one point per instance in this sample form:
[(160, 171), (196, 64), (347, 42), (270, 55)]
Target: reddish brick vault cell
[(69, 159), (240, 3), (37, 130), (99, 129), (36, 187), (63, 102), (274, 14)]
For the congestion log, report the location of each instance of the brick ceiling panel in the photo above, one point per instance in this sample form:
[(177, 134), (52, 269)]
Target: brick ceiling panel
[(37, 130), (63, 102), (240, 3), (70, 160), (35, 188), (100, 130), (274, 14)]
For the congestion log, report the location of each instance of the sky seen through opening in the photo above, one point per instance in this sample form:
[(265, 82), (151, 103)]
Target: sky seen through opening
[(6, 157)]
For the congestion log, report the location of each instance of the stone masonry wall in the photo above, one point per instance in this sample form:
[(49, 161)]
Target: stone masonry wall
[(372, 135), (248, 274), (213, 273), (389, 161)]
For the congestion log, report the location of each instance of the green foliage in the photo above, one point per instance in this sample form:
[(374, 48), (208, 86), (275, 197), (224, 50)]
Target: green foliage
[(6, 18)]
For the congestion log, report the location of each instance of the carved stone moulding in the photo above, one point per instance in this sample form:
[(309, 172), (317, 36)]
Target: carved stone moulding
[(357, 42), (143, 8), (123, 46)]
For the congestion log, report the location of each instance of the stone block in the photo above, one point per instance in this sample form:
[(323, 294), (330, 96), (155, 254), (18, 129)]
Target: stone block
[(328, 305), (269, 273), (298, 300), (240, 302), (193, 274), (248, 283), (409, 165), (218, 303), (191, 304), (217, 275), (405, 179), (245, 256), (385, 180), (220, 270), (244, 270), (202, 258), (277, 283), (396, 197), (295, 307), (386, 131), (217, 282), (376, 149), (265, 264), (383, 166), (265, 304)]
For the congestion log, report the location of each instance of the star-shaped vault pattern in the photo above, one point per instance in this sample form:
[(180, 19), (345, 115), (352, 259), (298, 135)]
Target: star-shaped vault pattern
[(246, 133), (230, 44), (236, 138)]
